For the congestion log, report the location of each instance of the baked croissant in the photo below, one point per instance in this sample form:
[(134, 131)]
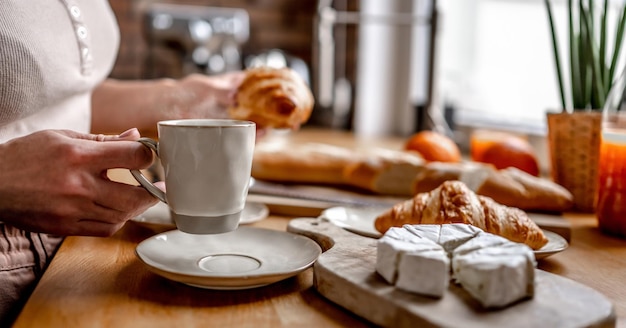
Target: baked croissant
[(273, 97), (454, 202)]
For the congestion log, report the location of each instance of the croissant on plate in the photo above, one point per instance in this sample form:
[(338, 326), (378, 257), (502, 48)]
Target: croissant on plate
[(454, 202)]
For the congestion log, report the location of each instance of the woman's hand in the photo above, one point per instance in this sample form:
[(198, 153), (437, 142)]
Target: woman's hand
[(56, 182), (202, 96), (210, 96), (120, 105), (220, 89)]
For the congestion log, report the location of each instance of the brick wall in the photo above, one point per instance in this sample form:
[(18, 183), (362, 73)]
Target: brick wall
[(282, 24)]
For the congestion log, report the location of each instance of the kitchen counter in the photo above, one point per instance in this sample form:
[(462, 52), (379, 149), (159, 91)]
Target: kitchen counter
[(100, 282)]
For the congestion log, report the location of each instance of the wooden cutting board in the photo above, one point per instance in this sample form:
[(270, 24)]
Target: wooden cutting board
[(345, 274)]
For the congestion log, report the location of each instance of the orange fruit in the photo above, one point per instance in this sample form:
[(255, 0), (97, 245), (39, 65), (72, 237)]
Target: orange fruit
[(481, 139), (434, 147), (512, 152)]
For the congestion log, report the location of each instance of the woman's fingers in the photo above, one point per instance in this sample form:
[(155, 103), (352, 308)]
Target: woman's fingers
[(123, 197), (107, 152), (98, 228)]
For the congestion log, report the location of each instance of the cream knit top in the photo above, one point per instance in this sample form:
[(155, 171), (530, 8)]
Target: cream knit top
[(52, 55)]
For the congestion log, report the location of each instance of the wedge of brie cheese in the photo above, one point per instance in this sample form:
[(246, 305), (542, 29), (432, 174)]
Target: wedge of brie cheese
[(425, 272), (495, 275), (428, 231), (388, 256), (492, 269), (456, 234), (399, 247), (483, 240)]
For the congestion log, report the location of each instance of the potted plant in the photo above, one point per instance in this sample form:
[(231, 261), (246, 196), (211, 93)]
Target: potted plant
[(574, 132)]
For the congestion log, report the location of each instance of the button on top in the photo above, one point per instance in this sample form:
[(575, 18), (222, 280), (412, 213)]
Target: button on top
[(83, 36), (81, 31), (75, 11)]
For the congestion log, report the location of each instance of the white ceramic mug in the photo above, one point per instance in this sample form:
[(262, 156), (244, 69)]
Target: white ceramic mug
[(207, 165)]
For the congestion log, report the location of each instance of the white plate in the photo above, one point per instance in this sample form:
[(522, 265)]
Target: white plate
[(360, 220), (556, 243), (159, 215), (245, 258)]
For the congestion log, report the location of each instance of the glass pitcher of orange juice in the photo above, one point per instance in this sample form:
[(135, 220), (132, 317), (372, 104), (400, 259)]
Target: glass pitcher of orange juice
[(611, 200)]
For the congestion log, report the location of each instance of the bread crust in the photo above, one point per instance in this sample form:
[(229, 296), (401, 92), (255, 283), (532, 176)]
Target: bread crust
[(540, 193), (434, 174), (309, 163), (505, 190), (270, 97), (454, 202), (399, 173), (384, 171)]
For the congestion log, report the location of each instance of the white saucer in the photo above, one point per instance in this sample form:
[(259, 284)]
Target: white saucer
[(360, 220), (245, 258), (159, 215)]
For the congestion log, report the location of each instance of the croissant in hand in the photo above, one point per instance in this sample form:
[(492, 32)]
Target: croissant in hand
[(273, 97), (454, 202)]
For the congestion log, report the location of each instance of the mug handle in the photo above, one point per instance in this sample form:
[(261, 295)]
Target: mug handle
[(143, 181)]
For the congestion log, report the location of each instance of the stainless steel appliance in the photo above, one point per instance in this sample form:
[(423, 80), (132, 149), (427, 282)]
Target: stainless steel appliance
[(374, 65), (185, 39)]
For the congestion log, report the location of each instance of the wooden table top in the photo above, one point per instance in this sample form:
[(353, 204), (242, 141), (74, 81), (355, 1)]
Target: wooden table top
[(100, 282)]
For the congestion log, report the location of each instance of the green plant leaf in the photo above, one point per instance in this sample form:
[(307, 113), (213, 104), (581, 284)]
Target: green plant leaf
[(557, 59), (578, 94), (592, 62), (576, 76), (602, 55), (589, 15), (619, 37), (584, 74), (598, 94)]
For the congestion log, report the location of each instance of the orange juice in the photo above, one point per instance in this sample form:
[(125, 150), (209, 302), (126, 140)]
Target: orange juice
[(611, 202)]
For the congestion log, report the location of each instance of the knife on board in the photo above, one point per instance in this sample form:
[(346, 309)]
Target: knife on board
[(309, 200), (320, 194)]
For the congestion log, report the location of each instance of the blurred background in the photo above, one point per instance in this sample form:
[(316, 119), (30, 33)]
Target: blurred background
[(377, 67), (159, 37)]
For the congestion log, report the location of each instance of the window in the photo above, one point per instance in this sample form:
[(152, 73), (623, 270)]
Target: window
[(496, 62)]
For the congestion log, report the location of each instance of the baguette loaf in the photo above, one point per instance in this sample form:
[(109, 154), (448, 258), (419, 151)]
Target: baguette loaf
[(402, 173), (384, 172), (539, 193), (510, 187), (309, 163)]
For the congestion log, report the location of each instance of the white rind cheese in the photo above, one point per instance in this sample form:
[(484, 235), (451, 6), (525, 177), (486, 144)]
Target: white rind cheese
[(498, 275), (428, 231), (455, 234), (424, 272), (483, 240), (394, 246), (388, 257), (492, 269)]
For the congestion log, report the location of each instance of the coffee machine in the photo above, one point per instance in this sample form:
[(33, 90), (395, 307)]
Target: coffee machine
[(184, 39)]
